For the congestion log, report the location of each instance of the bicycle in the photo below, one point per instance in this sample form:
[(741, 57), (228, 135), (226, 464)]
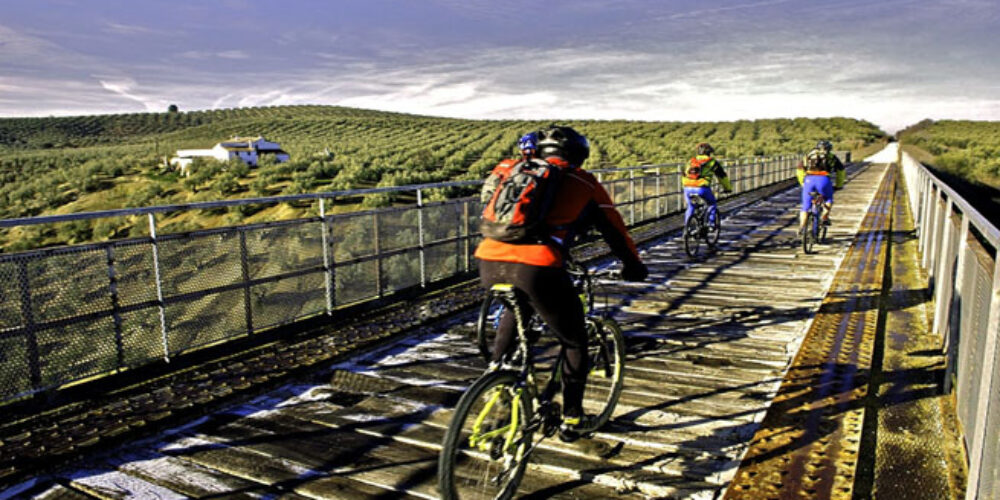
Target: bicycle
[(492, 310), (698, 228), (814, 231), (490, 438)]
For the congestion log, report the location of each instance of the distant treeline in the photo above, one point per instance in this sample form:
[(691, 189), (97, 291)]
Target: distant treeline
[(73, 164), (967, 149)]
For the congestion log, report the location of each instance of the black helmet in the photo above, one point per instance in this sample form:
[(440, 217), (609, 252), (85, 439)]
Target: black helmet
[(824, 145), (563, 142), (705, 149)]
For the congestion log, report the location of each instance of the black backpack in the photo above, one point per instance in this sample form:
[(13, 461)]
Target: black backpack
[(516, 197)]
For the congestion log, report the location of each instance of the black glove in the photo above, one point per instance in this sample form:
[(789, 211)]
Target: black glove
[(727, 191), (635, 271)]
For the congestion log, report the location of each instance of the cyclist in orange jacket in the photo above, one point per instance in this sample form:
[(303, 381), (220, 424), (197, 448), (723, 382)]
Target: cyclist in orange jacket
[(537, 267)]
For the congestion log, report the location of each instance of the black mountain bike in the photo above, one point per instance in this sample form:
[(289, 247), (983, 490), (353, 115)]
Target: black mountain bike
[(698, 229), (814, 230), (491, 435)]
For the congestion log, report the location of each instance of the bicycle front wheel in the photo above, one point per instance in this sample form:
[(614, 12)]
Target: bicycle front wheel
[(606, 348), (485, 449), (692, 236)]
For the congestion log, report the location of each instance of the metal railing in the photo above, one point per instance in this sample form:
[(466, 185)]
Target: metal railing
[(79, 311), (958, 248)]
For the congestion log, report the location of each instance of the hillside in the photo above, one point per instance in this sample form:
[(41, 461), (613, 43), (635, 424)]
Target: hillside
[(965, 154), (73, 164), (967, 149)]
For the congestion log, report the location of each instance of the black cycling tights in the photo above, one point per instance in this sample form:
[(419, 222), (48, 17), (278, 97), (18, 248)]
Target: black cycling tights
[(550, 292)]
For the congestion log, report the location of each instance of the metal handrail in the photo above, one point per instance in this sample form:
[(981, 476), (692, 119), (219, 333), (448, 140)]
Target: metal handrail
[(952, 255), (347, 193)]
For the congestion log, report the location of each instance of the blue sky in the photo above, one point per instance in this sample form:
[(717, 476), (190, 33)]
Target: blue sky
[(893, 62)]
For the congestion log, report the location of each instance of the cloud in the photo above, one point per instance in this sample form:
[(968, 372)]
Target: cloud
[(711, 12), (232, 54), (204, 55), (127, 88), (126, 29)]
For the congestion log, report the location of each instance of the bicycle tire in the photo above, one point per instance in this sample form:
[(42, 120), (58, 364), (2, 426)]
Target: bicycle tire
[(715, 228), (692, 238), (483, 327), (807, 233), (607, 354), (822, 233), (462, 468)]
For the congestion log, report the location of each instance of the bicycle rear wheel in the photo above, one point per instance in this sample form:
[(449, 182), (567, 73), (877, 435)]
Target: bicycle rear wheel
[(606, 348), (485, 329), (808, 234), (692, 236), (484, 452), (712, 238)]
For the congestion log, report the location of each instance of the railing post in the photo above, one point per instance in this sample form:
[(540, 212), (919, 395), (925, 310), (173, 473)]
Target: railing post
[(642, 197), (680, 193), (420, 239), (468, 236), (930, 225), (377, 246), (982, 409), (27, 313), (115, 306), (959, 287), (659, 195), (159, 287), (935, 249), (328, 270), (245, 272), (925, 221), (944, 284), (631, 197)]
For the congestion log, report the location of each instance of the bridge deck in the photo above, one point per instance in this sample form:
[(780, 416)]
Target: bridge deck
[(709, 345)]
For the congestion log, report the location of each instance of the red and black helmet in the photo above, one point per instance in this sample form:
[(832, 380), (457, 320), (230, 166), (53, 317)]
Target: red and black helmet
[(704, 149)]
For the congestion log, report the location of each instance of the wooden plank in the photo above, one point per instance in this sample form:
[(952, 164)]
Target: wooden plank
[(60, 492), (114, 485)]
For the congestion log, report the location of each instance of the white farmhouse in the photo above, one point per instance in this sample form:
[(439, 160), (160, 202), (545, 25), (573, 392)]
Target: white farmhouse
[(248, 149)]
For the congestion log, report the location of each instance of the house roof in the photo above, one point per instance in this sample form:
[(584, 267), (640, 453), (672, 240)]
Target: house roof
[(246, 144)]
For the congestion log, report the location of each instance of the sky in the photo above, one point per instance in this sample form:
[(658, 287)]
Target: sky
[(892, 62)]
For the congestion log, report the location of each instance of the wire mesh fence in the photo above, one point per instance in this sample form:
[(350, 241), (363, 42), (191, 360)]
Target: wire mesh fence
[(958, 248), (73, 312)]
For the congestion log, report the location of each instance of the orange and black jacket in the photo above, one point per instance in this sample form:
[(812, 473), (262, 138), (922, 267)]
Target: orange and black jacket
[(579, 203)]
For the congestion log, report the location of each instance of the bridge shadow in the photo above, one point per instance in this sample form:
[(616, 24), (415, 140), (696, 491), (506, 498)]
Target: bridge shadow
[(328, 453), (809, 415)]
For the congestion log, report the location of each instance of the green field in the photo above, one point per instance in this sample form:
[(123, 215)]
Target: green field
[(86, 163)]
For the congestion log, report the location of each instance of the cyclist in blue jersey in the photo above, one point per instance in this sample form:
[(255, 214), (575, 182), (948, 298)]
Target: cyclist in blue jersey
[(814, 173)]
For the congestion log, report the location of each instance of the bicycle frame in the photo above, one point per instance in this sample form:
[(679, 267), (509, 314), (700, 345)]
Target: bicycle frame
[(523, 357)]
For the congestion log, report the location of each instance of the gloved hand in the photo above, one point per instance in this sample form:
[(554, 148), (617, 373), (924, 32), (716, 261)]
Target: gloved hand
[(634, 271), (727, 191)]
